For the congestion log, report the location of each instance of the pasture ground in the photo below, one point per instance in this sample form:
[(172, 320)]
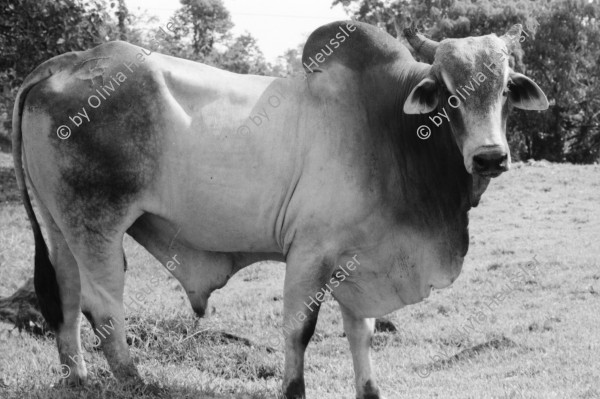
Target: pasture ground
[(542, 340)]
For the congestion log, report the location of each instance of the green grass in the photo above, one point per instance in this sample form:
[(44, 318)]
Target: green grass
[(541, 341)]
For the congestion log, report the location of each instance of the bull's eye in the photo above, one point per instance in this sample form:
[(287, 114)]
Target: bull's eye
[(509, 86)]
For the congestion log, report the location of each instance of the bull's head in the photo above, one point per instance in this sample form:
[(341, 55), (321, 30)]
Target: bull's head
[(470, 79)]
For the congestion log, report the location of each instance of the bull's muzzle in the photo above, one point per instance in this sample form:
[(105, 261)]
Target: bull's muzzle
[(490, 163)]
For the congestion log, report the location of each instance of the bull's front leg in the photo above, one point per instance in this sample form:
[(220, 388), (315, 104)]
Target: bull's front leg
[(359, 332), (300, 311)]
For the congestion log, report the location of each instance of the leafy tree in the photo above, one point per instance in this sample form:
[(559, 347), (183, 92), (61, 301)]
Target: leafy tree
[(289, 64), (207, 20), (168, 38), (200, 31), (564, 61), (242, 56), (33, 31), (124, 18)]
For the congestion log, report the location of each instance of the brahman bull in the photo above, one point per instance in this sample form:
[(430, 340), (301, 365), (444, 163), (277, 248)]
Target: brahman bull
[(222, 170)]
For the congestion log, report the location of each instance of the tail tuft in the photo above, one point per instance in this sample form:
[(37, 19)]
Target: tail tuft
[(46, 286)]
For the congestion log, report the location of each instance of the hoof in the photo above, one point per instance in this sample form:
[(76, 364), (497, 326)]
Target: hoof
[(67, 378), (294, 390), (370, 391), (69, 383)]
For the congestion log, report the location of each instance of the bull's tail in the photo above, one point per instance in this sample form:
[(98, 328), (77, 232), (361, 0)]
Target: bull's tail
[(46, 285)]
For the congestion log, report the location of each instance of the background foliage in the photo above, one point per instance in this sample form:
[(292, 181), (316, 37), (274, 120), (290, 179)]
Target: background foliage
[(562, 52)]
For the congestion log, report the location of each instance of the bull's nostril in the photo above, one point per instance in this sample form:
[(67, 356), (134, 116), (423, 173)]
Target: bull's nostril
[(503, 162), (500, 162), (490, 162), (480, 163)]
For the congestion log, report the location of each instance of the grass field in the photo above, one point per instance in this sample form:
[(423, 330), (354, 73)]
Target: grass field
[(540, 339)]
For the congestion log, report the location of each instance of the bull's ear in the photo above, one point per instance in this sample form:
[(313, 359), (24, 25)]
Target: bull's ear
[(525, 94), (423, 98)]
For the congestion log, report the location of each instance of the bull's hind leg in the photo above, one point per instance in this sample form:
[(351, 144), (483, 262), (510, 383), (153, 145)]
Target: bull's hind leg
[(99, 253), (67, 275)]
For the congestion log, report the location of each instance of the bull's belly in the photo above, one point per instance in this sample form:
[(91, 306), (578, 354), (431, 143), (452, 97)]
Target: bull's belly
[(220, 209), (219, 226)]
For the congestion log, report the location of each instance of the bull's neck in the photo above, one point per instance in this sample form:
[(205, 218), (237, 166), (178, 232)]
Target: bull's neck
[(427, 181)]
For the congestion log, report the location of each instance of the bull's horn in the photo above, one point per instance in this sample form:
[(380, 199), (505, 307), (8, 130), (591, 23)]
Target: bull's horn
[(423, 46), (512, 36)]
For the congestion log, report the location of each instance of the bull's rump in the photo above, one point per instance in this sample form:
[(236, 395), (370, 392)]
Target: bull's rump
[(163, 135)]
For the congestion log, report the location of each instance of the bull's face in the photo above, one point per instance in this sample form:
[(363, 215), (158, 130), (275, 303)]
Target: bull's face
[(472, 86)]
